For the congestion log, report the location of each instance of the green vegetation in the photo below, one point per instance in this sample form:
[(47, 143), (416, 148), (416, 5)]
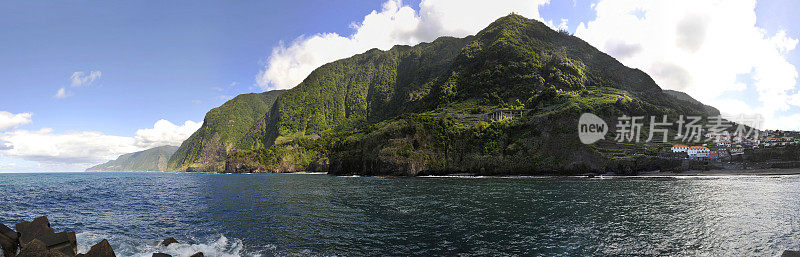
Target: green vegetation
[(368, 87), (689, 100), (395, 112), (153, 159), (228, 127)]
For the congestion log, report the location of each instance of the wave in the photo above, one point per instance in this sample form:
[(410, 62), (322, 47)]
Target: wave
[(219, 246)]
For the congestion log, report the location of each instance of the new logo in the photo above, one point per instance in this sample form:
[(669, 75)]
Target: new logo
[(591, 128)]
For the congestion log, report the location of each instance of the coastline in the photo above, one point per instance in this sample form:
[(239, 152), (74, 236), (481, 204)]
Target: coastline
[(125, 171), (737, 172), (691, 173)]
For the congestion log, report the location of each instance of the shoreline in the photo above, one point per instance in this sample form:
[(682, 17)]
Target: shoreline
[(691, 173), (737, 172)]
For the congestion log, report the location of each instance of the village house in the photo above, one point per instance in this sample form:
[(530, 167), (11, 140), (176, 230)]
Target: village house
[(679, 148), (699, 152)]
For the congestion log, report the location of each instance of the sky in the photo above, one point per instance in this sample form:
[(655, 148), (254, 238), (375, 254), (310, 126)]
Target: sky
[(82, 82)]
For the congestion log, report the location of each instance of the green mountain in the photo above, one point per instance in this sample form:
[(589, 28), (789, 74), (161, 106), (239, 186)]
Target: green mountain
[(421, 109), (224, 128), (689, 100), (153, 159)]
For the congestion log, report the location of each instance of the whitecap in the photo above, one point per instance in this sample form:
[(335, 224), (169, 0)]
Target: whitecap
[(219, 246)]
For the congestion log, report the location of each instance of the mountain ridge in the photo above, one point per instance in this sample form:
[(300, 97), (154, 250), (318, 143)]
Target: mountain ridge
[(395, 112), (153, 159)]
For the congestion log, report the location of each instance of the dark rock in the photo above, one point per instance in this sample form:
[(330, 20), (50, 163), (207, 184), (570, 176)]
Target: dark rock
[(101, 249), (37, 248), (33, 248), (169, 241), (161, 255), (64, 242), (197, 254), (8, 232), (54, 253), (39, 228), (9, 246), (9, 241), (789, 253), (31, 230)]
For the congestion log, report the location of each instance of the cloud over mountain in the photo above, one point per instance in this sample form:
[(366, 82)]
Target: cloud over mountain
[(81, 148), (165, 133), (703, 48), (394, 24)]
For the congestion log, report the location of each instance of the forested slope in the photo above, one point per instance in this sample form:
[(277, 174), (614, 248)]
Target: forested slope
[(401, 111)]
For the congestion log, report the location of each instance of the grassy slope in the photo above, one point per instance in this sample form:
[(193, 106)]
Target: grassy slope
[(153, 159)]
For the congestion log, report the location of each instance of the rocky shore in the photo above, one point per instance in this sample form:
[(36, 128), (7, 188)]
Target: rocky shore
[(36, 238)]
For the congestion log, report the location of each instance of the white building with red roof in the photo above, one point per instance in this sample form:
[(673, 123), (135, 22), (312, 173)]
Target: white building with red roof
[(679, 148), (692, 151), (698, 151)]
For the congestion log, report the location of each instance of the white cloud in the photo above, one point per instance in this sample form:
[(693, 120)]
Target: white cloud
[(9, 120), (561, 26), (70, 148), (78, 150), (394, 24), (80, 78), (165, 133), (701, 47), (61, 93)]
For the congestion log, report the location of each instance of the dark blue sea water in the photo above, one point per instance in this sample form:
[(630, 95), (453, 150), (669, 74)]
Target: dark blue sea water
[(321, 215)]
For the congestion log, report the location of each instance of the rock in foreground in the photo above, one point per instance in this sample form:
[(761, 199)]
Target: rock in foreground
[(789, 253), (36, 238), (36, 248), (169, 241), (9, 241), (101, 249), (39, 229)]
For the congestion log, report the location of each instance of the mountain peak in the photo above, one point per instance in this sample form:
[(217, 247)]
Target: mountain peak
[(341, 116)]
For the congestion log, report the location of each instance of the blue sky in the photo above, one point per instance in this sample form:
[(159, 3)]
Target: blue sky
[(157, 57), (175, 60)]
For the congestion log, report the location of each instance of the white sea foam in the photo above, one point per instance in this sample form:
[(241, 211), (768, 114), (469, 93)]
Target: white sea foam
[(123, 247)]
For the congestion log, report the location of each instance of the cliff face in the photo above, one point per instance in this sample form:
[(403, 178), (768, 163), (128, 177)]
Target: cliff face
[(411, 110), (365, 88), (224, 129), (153, 159)]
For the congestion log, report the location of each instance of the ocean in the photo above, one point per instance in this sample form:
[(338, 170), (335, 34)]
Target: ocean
[(322, 215)]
